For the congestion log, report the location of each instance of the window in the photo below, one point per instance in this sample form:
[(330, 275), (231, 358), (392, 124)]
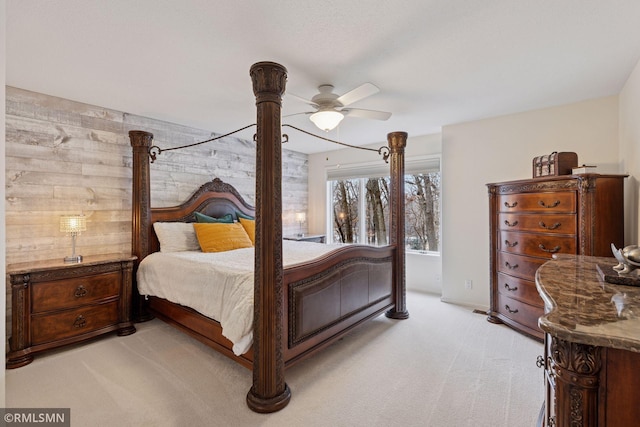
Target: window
[(359, 205)]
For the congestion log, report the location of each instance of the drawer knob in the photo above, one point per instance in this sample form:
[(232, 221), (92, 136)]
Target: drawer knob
[(552, 250), (544, 205), (510, 224), (80, 322), (509, 288), (509, 266), (509, 244), (513, 205), (549, 227), (506, 307), (80, 291)]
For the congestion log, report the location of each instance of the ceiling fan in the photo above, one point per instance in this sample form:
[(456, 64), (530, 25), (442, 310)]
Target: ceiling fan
[(331, 108)]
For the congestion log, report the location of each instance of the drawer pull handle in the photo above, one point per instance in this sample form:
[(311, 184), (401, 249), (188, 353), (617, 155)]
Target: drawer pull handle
[(81, 291), (509, 288), (513, 205), (509, 244), (544, 205), (551, 251), (80, 322), (509, 224), (506, 307), (509, 266), (549, 227)]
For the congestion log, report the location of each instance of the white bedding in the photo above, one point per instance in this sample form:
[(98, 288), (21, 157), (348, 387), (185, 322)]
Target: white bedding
[(218, 285)]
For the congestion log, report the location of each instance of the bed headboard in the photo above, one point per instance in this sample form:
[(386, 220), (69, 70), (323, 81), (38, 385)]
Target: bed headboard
[(215, 198)]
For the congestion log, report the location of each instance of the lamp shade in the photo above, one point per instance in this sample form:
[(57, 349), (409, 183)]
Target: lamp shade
[(326, 120), (301, 216), (73, 223)]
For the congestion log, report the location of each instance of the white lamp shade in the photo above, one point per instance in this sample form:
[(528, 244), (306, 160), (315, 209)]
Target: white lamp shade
[(327, 120), (73, 223), (301, 216)]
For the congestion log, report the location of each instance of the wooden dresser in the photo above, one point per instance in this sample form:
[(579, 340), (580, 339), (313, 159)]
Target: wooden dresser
[(530, 220), (55, 304), (592, 345)]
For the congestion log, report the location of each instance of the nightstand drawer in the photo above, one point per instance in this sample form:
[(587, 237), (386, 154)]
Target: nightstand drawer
[(60, 294), (69, 323)]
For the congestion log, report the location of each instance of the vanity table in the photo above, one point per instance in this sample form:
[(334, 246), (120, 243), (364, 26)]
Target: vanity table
[(592, 345)]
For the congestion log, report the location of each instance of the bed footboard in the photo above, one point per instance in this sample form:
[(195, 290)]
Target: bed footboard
[(328, 297)]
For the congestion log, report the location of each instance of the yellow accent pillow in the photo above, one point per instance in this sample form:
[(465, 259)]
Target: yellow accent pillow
[(250, 227), (220, 237)]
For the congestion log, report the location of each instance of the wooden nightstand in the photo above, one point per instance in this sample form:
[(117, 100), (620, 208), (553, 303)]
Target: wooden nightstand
[(55, 304), (318, 238)]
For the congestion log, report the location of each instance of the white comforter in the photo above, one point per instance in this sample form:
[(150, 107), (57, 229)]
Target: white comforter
[(218, 285)]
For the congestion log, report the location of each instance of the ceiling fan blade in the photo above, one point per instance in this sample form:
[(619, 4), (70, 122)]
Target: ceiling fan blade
[(299, 98), (361, 92), (299, 114), (366, 114)]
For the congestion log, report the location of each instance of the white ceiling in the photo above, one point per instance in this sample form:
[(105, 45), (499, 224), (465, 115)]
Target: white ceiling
[(437, 62)]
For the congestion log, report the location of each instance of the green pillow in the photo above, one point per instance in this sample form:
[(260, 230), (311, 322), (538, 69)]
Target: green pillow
[(227, 219), (241, 215)]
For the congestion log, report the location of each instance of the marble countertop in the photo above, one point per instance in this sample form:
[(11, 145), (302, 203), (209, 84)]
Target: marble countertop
[(581, 307)]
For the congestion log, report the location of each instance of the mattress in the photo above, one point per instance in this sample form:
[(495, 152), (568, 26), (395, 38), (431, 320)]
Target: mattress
[(218, 285)]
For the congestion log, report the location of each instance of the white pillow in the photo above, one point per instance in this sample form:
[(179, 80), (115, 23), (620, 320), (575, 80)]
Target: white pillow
[(176, 236)]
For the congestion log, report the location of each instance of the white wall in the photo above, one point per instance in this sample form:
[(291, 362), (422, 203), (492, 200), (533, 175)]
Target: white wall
[(500, 149), (630, 154), (423, 271)]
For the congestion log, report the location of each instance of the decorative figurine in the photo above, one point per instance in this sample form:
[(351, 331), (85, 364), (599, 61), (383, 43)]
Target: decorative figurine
[(628, 258)]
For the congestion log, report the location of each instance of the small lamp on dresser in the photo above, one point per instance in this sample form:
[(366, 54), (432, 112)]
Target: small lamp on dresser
[(74, 225), (301, 217)]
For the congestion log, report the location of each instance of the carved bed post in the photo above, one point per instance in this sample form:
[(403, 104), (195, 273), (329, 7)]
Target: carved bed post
[(397, 141), (141, 213), (269, 392)]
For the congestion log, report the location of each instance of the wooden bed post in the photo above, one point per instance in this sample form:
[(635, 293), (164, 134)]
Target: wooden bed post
[(141, 213), (397, 141), (269, 392)]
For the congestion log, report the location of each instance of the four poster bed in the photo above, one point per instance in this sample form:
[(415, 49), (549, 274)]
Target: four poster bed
[(295, 310)]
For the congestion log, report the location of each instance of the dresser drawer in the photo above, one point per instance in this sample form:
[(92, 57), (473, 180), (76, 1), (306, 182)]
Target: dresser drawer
[(60, 294), (561, 201), (520, 289), (519, 312), (555, 223), (534, 244), (519, 265), (72, 322)]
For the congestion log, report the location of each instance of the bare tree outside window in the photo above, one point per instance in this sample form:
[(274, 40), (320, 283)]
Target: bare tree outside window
[(422, 210), (377, 215), (346, 197)]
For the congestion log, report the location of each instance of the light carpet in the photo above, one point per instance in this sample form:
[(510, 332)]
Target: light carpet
[(444, 366)]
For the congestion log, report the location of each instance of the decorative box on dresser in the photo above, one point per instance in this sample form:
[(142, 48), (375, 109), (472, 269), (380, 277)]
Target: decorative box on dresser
[(56, 303), (533, 219), (592, 345)]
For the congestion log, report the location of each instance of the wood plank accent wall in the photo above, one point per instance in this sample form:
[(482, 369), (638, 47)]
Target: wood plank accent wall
[(66, 157)]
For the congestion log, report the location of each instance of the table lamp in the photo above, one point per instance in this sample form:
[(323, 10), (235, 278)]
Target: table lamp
[(74, 225), (301, 217)]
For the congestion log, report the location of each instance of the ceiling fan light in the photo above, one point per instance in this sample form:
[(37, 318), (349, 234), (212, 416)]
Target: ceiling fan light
[(327, 120)]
